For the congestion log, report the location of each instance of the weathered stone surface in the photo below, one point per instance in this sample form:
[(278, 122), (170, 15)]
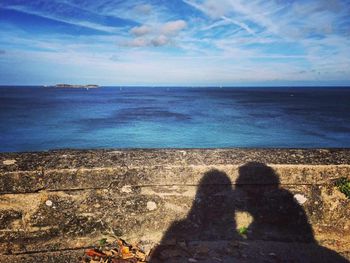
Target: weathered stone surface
[(66, 200), (65, 256), (101, 212), (9, 218), (73, 159), (117, 177)]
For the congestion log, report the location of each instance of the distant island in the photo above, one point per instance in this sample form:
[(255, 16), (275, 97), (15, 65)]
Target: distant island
[(89, 86)]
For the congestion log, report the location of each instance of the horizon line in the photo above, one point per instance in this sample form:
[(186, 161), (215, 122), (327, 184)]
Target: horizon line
[(188, 86)]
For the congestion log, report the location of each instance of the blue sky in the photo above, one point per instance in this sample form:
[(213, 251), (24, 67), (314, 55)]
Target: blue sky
[(175, 42)]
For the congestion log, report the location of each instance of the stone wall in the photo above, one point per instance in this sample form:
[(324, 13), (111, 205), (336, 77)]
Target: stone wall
[(54, 204)]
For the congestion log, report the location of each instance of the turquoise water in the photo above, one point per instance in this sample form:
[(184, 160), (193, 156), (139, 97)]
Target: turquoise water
[(37, 118)]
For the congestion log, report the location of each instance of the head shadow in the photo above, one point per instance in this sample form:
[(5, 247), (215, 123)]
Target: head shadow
[(277, 216), (211, 212), (210, 218)]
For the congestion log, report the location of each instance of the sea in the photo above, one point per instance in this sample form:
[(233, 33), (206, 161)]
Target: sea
[(48, 118)]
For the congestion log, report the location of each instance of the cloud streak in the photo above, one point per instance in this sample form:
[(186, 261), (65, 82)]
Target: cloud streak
[(177, 42)]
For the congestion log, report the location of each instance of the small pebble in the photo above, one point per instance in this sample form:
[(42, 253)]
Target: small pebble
[(192, 260), (300, 198), (151, 205), (48, 203), (126, 189)]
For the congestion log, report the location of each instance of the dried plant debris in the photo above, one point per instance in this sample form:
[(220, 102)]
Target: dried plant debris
[(116, 252)]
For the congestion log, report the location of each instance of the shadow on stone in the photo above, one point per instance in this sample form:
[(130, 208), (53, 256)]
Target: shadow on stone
[(279, 232), (210, 218), (277, 216)]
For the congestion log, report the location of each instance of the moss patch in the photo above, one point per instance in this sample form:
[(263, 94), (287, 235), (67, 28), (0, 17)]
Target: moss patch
[(243, 231), (343, 184)]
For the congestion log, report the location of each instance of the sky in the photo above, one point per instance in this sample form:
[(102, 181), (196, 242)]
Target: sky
[(175, 42)]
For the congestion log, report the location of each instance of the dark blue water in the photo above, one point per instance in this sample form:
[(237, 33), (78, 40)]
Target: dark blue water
[(37, 118)]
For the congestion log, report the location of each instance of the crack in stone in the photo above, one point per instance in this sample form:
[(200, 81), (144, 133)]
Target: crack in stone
[(109, 187)]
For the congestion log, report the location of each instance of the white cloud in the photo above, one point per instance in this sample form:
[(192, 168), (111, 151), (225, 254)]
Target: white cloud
[(173, 27), (157, 41), (157, 35), (160, 41), (141, 30)]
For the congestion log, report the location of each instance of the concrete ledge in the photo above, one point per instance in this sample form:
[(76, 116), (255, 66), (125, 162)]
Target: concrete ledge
[(56, 203)]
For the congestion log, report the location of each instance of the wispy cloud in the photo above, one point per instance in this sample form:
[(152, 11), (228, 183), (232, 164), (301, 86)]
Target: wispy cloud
[(176, 42), (63, 12), (144, 9), (218, 10)]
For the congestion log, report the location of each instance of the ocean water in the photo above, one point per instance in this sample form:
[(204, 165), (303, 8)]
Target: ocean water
[(38, 118)]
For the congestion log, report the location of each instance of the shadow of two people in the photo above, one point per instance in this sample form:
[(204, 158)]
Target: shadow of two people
[(279, 231)]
